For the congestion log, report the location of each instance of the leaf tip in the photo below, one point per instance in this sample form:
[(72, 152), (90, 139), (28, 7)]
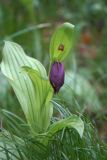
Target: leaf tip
[(6, 42)]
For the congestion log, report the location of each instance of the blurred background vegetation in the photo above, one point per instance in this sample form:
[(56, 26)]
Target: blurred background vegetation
[(31, 24)]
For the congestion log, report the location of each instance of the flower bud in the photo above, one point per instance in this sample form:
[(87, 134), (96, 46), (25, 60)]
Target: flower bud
[(57, 76)]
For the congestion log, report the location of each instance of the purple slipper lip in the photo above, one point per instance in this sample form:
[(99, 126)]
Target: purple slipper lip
[(57, 76)]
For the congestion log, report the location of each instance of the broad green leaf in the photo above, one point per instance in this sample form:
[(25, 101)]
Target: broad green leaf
[(13, 59), (72, 121), (43, 95), (61, 42)]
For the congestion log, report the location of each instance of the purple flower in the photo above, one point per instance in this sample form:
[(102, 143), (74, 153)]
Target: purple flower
[(57, 76)]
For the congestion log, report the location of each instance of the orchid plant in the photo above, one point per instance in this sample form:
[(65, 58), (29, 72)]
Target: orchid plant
[(35, 89)]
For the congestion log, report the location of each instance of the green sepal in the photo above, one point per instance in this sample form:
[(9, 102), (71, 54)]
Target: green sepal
[(61, 42)]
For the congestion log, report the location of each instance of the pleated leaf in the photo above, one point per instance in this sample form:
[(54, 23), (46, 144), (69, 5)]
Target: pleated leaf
[(43, 95), (61, 42), (13, 59)]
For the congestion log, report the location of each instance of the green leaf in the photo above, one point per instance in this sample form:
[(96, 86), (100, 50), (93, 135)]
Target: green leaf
[(43, 95), (61, 42), (28, 95), (72, 121)]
